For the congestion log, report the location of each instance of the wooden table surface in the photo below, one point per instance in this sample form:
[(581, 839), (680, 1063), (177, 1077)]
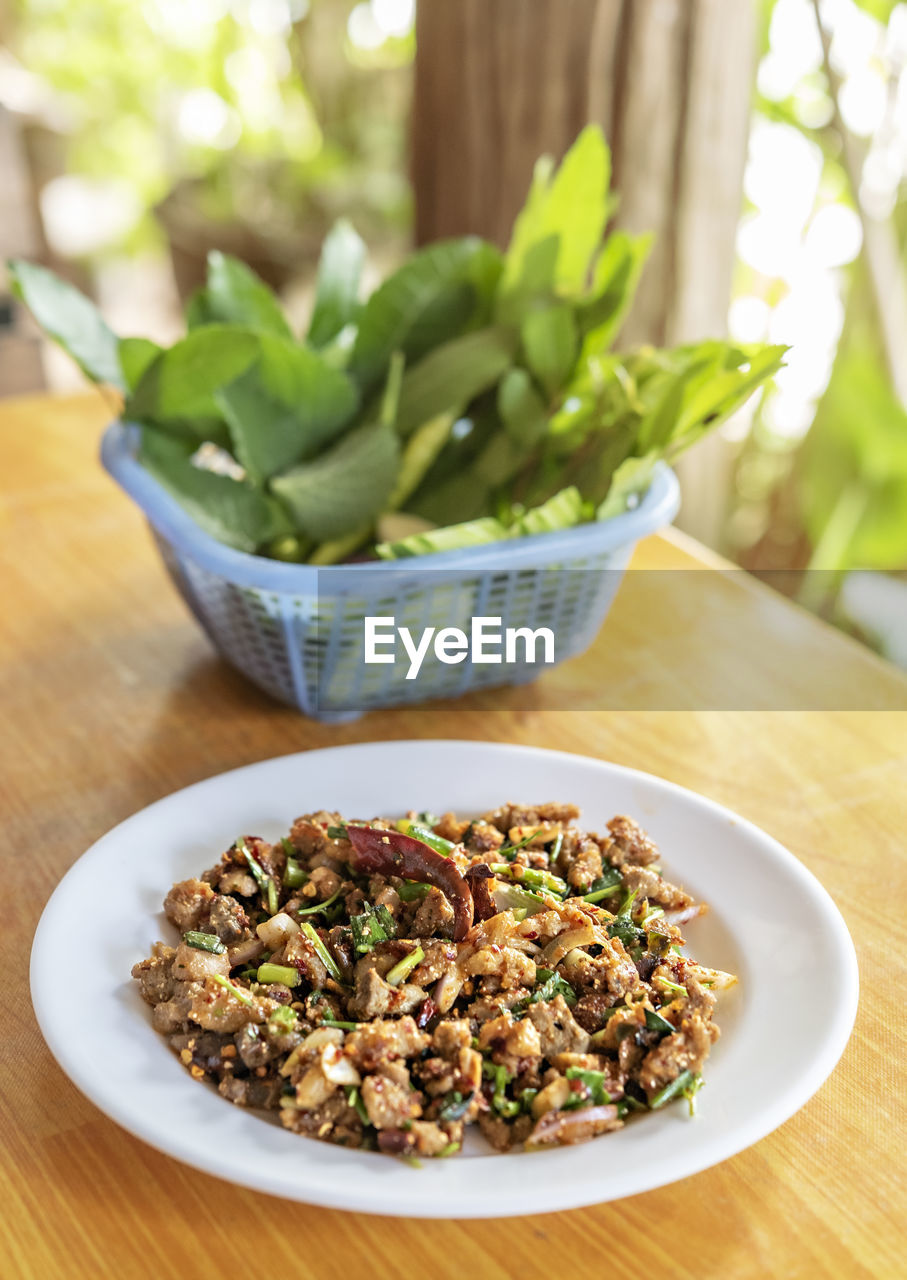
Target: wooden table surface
[(112, 698)]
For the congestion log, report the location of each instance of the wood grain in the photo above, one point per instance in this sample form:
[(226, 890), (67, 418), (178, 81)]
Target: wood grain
[(112, 699)]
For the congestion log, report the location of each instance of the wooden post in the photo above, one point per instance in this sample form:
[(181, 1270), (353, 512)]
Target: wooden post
[(500, 81)]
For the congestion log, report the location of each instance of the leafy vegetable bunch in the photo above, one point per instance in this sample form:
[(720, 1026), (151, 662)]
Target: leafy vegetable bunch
[(472, 397)]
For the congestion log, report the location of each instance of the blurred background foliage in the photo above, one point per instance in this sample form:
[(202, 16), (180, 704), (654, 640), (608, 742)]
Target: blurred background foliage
[(157, 129)]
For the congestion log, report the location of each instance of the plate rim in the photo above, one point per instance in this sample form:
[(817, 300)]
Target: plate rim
[(745, 1133)]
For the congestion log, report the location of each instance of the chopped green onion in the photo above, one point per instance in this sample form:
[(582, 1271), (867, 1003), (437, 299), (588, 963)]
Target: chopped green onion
[(670, 986), (283, 1017), (354, 1098), (204, 941), (555, 850), (293, 876), (266, 885), (509, 851), (403, 968), (242, 996), (374, 925), (427, 836), (321, 951), (605, 886), (410, 890), (319, 906), (451, 1149), (526, 1098), (278, 973), (690, 1093), (427, 819), (655, 1022), (501, 1077), (531, 876), (594, 1082), (684, 1083), (514, 896), (337, 833), (331, 1021)]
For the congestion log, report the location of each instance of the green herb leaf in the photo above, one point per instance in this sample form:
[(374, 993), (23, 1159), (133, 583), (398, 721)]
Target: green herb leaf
[(522, 409), (550, 985), (655, 1022), (551, 345), (71, 320), (453, 374), (135, 355), (234, 294), (285, 407), (616, 276), (572, 206), (227, 509), (437, 293), (605, 886), (348, 484), (337, 286), (631, 479), (176, 391)]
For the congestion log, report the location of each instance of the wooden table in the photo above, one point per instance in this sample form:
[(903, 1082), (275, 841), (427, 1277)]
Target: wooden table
[(112, 698)]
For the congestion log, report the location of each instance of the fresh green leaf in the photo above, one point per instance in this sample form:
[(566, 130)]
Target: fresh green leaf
[(347, 485), (550, 985), (419, 452), (715, 396), (452, 375), (631, 478), (550, 343), (437, 293), (337, 285), (521, 408), (615, 279), (234, 294), (228, 510), (285, 407), (71, 320), (176, 391), (572, 205), (135, 355), (473, 533)]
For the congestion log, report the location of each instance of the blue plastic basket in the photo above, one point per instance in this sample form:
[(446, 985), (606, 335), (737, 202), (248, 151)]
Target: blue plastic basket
[(297, 631)]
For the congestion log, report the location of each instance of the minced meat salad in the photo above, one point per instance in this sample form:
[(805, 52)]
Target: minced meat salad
[(386, 985)]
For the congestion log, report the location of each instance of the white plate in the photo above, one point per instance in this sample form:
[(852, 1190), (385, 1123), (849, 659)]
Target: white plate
[(784, 1026)]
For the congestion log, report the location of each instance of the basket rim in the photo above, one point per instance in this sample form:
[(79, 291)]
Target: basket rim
[(119, 447)]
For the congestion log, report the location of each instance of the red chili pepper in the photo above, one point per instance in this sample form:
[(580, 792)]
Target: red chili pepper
[(391, 853), (426, 1013)]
